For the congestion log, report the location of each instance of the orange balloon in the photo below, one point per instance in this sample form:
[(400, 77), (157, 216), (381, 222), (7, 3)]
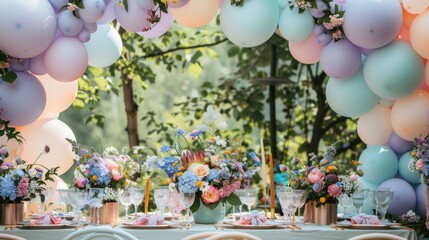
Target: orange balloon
[(410, 116), (419, 34), (374, 127), (196, 13), (404, 35), (407, 18)]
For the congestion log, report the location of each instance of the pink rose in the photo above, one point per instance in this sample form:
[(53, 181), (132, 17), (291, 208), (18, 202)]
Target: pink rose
[(81, 182), (419, 165), (116, 175), (353, 177), (211, 196), (110, 164), (334, 190), (315, 175)]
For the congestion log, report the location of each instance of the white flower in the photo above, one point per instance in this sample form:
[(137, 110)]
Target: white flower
[(111, 194), (111, 151), (220, 142), (204, 187), (210, 116), (203, 128), (172, 187), (221, 125), (153, 162)]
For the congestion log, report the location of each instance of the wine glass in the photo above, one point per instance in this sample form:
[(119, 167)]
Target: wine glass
[(125, 199), (137, 197), (162, 197), (42, 198), (358, 199), (240, 193), (383, 200), (249, 198), (345, 201), (77, 200), (292, 203), (64, 198), (95, 199), (282, 196), (56, 199), (187, 200), (302, 200)]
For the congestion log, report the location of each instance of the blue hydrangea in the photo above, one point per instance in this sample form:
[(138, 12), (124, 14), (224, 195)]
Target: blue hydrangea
[(168, 167), (19, 173), (187, 182), (224, 174), (165, 148), (180, 131), (213, 174), (7, 187), (102, 173), (339, 184)]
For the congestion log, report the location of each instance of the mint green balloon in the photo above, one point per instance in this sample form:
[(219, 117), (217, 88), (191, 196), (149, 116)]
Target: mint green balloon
[(406, 174), (379, 163), (350, 97), (393, 71), (295, 26)]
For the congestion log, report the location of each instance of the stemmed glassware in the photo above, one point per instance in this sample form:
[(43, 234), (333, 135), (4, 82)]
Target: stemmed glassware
[(64, 195), (57, 200), (293, 200), (162, 197), (95, 199), (125, 199), (281, 193), (358, 199), (240, 194), (41, 200), (383, 200), (137, 196), (345, 201), (78, 201), (187, 200), (302, 200), (249, 198)]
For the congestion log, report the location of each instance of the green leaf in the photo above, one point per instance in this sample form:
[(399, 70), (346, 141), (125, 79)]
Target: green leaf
[(195, 70), (196, 203), (196, 56), (9, 77), (125, 5), (212, 206), (234, 200), (79, 104)]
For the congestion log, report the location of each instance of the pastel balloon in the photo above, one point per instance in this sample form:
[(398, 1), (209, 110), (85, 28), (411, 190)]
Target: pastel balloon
[(386, 102), (399, 145), (408, 18), (393, 71), (379, 163), (340, 59), (404, 35), (93, 11), (59, 95), (91, 27), (27, 27), (374, 127), (415, 6), (350, 97), (318, 29), (295, 26), (23, 101), (282, 4), (68, 24), (251, 24), (427, 73), (404, 197), (146, 4), (411, 177), (109, 13), (84, 35), (37, 65), (57, 4), (369, 206), (421, 199), (66, 59), (177, 3), (58, 183), (166, 20), (372, 23), (422, 85), (324, 39), (104, 47), (307, 51), (14, 148), (51, 134), (133, 20), (19, 65), (318, 12), (196, 13), (419, 34), (410, 116)]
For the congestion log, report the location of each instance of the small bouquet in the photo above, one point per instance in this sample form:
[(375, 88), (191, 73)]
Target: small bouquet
[(420, 161), (204, 163), (110, 170)]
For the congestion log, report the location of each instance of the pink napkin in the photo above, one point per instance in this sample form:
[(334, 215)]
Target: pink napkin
[(48, 218), (253, 218), (365, 219), (150, 219)]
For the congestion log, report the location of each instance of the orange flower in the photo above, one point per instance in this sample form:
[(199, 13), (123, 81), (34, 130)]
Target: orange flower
[(322, 200), (199, 184), (179, 174), (228, 151), (331, 168)]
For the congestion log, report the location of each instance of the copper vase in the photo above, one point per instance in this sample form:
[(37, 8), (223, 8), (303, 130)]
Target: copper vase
[(109, 213), (325, 214), (11, 213)]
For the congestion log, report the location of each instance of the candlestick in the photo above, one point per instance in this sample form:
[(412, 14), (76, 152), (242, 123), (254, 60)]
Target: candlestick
[(264, 177), (146, 199), (272, 200)]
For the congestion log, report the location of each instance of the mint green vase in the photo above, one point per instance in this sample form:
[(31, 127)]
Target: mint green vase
[(205, 215)]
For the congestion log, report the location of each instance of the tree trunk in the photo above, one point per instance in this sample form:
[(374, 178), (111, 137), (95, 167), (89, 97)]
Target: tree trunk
[(131, 109)]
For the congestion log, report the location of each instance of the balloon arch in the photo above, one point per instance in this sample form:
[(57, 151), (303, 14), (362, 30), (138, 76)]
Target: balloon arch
[(375, 52)]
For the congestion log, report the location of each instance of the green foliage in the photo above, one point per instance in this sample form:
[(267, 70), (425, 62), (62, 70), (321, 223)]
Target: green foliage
[(10, 132), (5, 74)]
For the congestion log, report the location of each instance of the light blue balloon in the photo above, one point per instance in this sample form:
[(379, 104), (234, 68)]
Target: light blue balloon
[(379, 163), (394, 71), (295, 26), (411, 177), (104, 47), (251, 24), (350, 97)]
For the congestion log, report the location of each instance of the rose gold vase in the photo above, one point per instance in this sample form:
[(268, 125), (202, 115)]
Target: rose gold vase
[(11, 213), (109, 213), (325, 214)]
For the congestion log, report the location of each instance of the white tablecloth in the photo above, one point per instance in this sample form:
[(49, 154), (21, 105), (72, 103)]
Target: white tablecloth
[(309, 232)]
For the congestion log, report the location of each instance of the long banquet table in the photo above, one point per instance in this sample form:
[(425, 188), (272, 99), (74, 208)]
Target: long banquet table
[(309, 232)]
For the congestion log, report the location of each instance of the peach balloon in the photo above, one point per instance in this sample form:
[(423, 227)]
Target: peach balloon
[(196, 13), (307, 51), (404, 35), (415, 6), (14, 148), (374, 127), (419, 34), (410, 115), (59, 95), (51, 133)]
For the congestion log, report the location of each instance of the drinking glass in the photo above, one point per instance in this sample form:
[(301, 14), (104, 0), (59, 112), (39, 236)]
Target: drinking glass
[(56, 200), (77, 200), (345, 201), (42, 198), (282, 196), (125, 200), (137, 196), (383, 200), (249, 198), (292, 203), (162, 197), (382, 189), (187, 200), (95, 199), (240, 194), (358, 199), (64, 195), (302, 200)]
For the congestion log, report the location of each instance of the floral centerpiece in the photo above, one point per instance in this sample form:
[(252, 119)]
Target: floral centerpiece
[(204, 163), (420, 161)]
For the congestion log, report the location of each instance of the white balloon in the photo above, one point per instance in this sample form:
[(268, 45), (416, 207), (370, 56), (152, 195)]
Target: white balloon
[(94, 10), (68, 24), (27, 27), (135, 19), (104, 47), (91, 27)]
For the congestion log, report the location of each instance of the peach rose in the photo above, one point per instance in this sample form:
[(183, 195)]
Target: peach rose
[(419, 165), (110, 164), (215, 160), (116, 175), (353, 177), (315, 175), (201, 170), (211, 196)]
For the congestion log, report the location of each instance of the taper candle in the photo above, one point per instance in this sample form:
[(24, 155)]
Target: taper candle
[(146, 198)]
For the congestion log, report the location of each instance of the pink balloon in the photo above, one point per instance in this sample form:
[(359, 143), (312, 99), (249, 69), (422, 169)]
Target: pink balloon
[(427, 73), (66, 59), (37, 64), (374, 127), (135, 19), (221, 2), (22, 102), (307, 51), (423, 85), (160, 28), (419, 34)]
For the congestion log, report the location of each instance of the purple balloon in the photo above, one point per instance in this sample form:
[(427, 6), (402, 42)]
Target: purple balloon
[(340, 59), (318, 12), (366, 51), (57, 4), (421, 200), (324, 39), (84, 35), (160, 28), (318, 29), (109, 13), (399, 145), (404, 196), (19, 65), (91, 27), (37, 65)]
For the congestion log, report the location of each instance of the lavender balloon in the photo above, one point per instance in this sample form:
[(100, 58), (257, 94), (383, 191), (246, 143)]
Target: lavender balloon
[(318, 12), (146, 4), (68, 24), (340, 59), (57, 4), (160, 28), (318, 29), (177, 3), (109, 13), (404, 197), (324, 39), (19, 65), (421, 199), (37, 65), (91, 27), (94, 10), (84, 35), (399, 145)]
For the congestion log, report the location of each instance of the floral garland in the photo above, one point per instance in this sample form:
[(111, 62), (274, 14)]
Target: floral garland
[(420, 161)]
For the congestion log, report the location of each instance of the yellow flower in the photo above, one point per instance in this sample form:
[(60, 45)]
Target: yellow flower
[(174, 164), (238, 150), (212, 138), (331, 168), (127, 182), (126, 174), (322, 200), (94, 177), (413, 154), (179, 174), (228, 151), (165, 182), (199, 184)]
